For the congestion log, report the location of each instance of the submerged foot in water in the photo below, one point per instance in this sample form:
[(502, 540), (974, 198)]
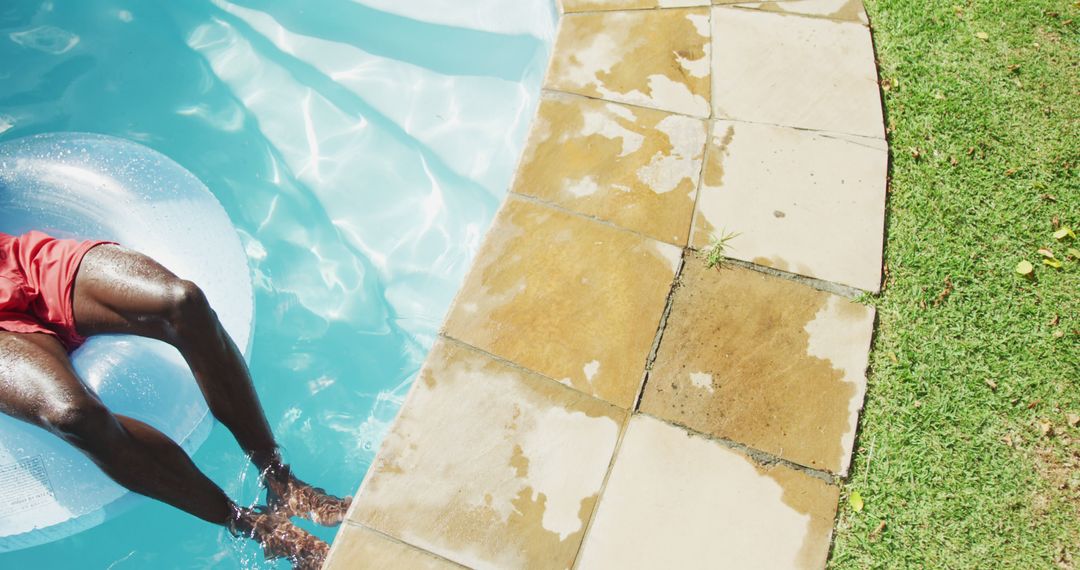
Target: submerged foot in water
[(280, 538), (288, 495)]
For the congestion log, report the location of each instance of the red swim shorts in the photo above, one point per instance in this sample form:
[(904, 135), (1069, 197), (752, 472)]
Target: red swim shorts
[(37, 280)]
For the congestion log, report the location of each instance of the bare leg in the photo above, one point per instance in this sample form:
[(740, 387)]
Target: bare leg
[(122, 291), (38, 385)]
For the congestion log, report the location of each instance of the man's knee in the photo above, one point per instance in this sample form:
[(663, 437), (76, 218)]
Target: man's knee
[(78, 419), (186, 308)]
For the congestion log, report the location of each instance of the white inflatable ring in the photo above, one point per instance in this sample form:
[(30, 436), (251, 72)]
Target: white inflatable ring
[(97, 187)]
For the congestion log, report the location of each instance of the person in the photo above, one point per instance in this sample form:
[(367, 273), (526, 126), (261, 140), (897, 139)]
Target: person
[(55, 293)]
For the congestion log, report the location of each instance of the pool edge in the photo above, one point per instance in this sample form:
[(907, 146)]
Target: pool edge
[(482, 344)]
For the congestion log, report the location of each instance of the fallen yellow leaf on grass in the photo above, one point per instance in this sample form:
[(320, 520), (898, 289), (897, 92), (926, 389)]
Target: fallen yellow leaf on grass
[(1072, 419), (856, 501), (1025, 268), (982, 35)]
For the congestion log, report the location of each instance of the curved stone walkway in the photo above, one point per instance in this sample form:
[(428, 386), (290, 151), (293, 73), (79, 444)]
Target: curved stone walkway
[(601, 399)]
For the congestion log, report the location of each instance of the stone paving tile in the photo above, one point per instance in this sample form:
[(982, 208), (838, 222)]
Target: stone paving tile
[(763, 361), (569, 6), (804, 202), (811, 73), (845, 10), (635, 167), (360, 548), (680, 501), (489, 465), (652, 58), (573, 299)]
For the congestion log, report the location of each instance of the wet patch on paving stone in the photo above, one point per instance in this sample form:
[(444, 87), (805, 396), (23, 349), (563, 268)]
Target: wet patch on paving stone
[(475, 467), (635, 167), (653, 58), (567, 297), (763, 361)]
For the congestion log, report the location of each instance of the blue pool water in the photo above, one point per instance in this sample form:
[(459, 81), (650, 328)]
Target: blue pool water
[(360, 148)]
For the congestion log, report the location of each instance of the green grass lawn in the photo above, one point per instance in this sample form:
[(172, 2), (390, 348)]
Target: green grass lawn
[(965, 457)]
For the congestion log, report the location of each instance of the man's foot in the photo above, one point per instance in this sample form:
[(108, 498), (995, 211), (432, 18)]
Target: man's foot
[(280, 538), (292, 497)]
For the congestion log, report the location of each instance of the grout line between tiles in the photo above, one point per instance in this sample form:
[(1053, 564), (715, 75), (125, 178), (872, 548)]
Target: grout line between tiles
[(511, 364), (705, 154), (728, 6), (846, 291), (589, 217), (820, 132), (603, 487), (595, 12), (759, 457), (658, 338), (711, 118), (840, 289), (403, 543), (848, 138), (634, 105), (781, 13)]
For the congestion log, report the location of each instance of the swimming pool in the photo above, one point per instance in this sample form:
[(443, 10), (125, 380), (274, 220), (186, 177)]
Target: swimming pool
[(359, 147)]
